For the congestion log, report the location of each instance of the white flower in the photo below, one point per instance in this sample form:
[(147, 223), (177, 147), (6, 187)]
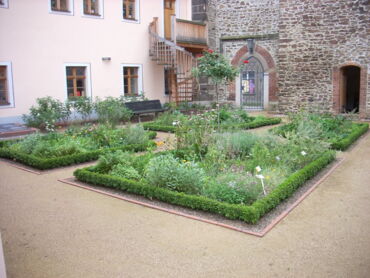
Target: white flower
[(303, 153), (277, 158), (258, 169), (174, 123), (232, 184), (260, 177)]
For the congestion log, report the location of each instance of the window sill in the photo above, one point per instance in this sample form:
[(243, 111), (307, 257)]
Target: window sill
[(131, 20), (61, 12), (96, 16), (8, 105)]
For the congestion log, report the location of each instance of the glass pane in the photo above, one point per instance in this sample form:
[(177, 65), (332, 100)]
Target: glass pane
[(3, 97), (54, 4), (252, 86), (64, 5), (80, 83), (70, 92), (80, 70), (69, 71), (134, 87), (69, 83), (125, 89), (86, 9), (125, 71), (131, 12), (134, 71), (3, 71), (94, 7)]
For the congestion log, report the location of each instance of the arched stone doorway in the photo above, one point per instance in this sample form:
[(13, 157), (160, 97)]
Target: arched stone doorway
[(252, 85), (350, 89), (269, 74)]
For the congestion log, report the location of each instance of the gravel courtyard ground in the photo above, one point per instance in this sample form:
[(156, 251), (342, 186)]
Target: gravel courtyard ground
[(50, 229)]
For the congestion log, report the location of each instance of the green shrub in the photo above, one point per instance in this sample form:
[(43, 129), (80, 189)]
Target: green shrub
[(136, 135), (112, 111), (27, 144), (168, 171), (47, 113), (84, 106), (236, 144), (234, 188), (125, 171), (108, 160), (169, 117)]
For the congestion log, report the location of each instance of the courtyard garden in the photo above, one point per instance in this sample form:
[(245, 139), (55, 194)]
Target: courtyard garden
[(226, 118), (214, 164), (233, 173)]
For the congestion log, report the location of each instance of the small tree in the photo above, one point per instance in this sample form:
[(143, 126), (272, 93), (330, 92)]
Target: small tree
[(217, 69)]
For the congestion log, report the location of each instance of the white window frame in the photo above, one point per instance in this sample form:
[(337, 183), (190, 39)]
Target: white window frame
[(5, 5), (139, 80), (70, 12), (101, 11), (137, 13), (9, 78), (88, 78)]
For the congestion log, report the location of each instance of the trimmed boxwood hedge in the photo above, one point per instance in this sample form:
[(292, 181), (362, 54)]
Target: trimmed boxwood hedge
[(357, 131), (55, 162), (342, 144), (258, 122), (249, 214)]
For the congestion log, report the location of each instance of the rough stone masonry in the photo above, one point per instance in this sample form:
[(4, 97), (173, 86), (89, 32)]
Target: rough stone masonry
[(308, 43)]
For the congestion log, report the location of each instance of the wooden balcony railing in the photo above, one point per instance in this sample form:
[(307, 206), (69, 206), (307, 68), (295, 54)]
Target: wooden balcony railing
[(190, 32)]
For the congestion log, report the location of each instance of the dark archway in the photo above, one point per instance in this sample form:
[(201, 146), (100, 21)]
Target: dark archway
[(350, 89)]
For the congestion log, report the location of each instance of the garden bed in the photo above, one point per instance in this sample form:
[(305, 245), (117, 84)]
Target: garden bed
[(74, 146), (264, 225), (337, 131), (245, 213), (229, 119), (233, 173)]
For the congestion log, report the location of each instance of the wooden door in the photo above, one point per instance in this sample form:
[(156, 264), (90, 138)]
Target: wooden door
[(169, 10)]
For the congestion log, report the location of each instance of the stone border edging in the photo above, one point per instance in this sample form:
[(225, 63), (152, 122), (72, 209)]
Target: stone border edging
[(258, 234)]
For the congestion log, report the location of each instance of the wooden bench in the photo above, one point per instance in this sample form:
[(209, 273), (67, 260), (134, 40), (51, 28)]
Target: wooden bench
[(145, 107)]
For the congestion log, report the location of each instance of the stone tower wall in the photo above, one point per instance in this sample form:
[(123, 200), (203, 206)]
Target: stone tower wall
[(317, 37), (231, 22)]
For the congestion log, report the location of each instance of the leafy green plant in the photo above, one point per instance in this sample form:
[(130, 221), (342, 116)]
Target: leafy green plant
[(170, 117), (195, 132), (235, 144), (84, 106), (217, 69), (112, 111), (135, 135), (47, 113), (169, 172), (234, 188), (125, 171), (109, 160)]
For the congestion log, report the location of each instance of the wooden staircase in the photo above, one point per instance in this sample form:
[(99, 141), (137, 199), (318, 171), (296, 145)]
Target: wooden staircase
[(177, 61)]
